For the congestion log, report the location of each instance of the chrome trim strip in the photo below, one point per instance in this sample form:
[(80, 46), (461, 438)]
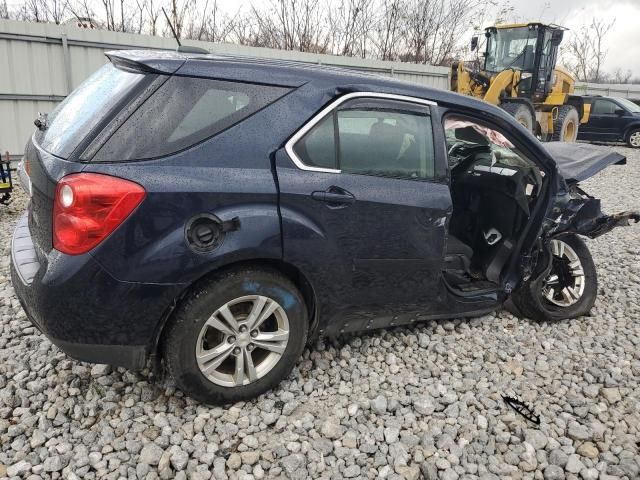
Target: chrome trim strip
[(329, 108)]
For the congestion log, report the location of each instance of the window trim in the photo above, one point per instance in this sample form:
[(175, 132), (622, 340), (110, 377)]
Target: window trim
[(328, 110)]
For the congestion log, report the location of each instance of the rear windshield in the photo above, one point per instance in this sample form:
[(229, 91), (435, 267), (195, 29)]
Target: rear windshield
[(82, 110), (183, 112)]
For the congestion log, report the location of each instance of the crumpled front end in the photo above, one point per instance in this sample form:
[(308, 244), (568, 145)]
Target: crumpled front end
[(574, 210), (578, 212)]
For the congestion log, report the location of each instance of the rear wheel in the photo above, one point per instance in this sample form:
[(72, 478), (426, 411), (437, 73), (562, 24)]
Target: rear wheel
[(570, 288), (236, 336), (521, 112), (565, 128), (633, 138)]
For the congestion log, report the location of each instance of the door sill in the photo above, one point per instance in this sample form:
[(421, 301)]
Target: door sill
[(473, 288)]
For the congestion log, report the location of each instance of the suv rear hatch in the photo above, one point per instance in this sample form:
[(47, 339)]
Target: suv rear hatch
[(55, 148)]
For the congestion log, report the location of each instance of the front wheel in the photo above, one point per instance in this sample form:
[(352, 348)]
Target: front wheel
[(565, 127), (236, 336), (570, 288), (633, 138)]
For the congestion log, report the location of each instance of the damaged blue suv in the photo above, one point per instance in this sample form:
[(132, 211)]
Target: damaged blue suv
[(212, 214)]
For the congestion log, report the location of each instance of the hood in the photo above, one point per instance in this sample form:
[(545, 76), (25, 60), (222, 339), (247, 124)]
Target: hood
[(579, 161)]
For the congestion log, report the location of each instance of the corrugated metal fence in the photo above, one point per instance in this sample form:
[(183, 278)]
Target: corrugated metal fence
[(632, 92), (41, 63)]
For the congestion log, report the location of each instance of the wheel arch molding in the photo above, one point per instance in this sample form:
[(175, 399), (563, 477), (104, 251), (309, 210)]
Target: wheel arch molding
[(288, 270)]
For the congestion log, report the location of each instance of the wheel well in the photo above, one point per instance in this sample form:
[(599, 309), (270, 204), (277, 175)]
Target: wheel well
[(629, 130), (286, 269)]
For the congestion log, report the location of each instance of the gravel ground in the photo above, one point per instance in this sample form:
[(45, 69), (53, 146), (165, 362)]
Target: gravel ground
[(407, 403)]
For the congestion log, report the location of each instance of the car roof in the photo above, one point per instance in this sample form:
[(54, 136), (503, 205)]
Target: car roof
[(273, 71)]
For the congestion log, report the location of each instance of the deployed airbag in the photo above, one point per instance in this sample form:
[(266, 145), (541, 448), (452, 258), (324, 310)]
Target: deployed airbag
[(579, 161)]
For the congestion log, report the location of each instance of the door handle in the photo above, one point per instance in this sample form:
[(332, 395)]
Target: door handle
[(334, 196)]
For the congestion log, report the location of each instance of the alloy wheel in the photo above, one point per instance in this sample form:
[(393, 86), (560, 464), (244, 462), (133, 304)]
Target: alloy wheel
[(564, 286), (242, 341), (634, 139)]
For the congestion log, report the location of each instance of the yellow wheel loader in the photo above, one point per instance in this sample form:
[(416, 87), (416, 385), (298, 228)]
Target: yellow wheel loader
[(519, 74)]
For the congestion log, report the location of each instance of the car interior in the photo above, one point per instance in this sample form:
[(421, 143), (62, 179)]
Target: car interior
[(494, 188)]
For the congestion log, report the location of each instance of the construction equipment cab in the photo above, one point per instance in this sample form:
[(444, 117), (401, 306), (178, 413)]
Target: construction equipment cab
[(519, 74)]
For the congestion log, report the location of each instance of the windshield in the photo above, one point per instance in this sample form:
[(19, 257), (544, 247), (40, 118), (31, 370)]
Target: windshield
[(511, 48), (84, 108), (629, 105)]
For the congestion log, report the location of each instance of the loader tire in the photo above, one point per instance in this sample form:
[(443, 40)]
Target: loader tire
[(565, 127), (521, 112)]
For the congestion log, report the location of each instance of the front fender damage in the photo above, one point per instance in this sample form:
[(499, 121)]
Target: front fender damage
[(578, 212)]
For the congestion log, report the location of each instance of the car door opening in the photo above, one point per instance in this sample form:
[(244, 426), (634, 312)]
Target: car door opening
[(493, 188)]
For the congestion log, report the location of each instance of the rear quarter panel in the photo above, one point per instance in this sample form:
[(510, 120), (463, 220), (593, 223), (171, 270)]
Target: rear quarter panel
[(229, 175)]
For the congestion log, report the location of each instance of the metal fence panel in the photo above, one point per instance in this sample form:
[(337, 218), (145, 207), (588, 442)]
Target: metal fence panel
[(42, 63), (632, 92)]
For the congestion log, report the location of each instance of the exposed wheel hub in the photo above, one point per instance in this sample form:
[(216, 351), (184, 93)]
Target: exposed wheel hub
[(564, 286)]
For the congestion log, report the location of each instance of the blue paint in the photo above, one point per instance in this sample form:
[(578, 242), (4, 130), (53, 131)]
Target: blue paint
[(250, 285), (287, 300)]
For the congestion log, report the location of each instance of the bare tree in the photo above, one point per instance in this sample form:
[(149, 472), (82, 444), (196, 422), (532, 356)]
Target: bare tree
[(350, 22), (620, 76), (31, 11), (181, 13), (435, 29), (600, 30), (288, 25), (81, 10), (217, 26), (388, 35), (586, 52), (4, 10)]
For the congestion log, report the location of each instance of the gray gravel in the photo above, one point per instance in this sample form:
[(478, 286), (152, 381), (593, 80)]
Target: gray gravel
[(423, 402)]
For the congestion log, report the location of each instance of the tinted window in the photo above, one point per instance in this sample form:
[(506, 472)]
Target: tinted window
[(385, 143), (629, 105), (317, 148), (81, 111), (183, 112), (604, 107), (373, 138)]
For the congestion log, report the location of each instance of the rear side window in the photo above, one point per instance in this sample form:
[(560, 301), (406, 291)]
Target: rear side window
[(82, 110), (372, 137), (604, 107), (317, 148), (183, 112)]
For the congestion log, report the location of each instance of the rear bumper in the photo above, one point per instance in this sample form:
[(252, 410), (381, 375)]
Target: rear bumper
[(85, 311)]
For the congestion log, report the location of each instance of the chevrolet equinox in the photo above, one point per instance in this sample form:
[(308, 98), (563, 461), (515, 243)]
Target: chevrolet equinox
[(212, 214)]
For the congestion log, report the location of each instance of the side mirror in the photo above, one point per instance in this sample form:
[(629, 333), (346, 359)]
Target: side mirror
[(556, 37), (620, 112), (474, 43)]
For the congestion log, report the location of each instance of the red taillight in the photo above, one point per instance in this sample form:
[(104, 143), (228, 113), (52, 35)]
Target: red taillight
[(88, 207)]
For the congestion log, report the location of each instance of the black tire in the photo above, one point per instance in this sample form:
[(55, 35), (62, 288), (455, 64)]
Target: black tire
[(529, 298), (633, 138), (521, 112), (182, 332), (565, 128)]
